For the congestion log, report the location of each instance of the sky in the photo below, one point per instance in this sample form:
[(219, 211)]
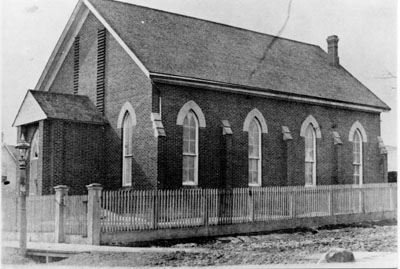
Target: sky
[(366, 29)]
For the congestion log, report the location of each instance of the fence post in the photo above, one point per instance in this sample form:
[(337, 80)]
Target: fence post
[(155, 209), (331, 201), (362, 199), (93, 214), (391, 207), (205, 206), (251, 204), (290, 201), (59, 232)]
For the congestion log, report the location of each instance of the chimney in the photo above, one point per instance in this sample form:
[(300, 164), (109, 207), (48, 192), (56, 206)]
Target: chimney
[(333, 50)]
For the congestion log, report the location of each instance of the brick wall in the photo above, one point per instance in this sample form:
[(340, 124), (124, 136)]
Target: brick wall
[(69, 154), (83, 156), (217, 106), (124, 81), (161, 159)]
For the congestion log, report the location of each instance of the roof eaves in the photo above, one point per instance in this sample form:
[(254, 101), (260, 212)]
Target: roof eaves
[(167, 78), (387, 108), (94, 122)]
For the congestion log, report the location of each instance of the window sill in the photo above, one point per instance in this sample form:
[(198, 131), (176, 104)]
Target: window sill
[(189, 184), (254, 185), (310, 186)]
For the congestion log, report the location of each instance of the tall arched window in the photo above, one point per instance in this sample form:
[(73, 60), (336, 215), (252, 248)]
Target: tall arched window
[(357, 158), (357, 136), (190, 149), (127, 128), (254, 153), (255, 125), (310, 156)]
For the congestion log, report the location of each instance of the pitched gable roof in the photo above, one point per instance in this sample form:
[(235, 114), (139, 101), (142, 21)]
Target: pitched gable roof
[(164, 43), (40, 105), (169, 43)]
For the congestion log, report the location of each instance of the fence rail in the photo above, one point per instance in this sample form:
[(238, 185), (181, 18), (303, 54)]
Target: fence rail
[(126, 210)]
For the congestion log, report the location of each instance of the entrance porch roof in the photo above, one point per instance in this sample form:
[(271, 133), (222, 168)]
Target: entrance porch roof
[(40, 105)]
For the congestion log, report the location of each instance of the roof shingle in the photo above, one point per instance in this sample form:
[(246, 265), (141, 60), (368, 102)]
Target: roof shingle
[(68, 107), (178, 45)]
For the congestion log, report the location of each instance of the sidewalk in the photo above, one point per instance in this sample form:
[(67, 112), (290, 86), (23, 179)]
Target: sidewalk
[(363, 259), (79, 248)]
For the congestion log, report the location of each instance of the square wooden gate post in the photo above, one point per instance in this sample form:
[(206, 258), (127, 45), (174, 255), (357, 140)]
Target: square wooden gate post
[(93, 214), (59, 231)]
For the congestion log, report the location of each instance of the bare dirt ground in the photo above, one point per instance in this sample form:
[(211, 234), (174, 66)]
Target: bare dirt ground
[(287, 246)]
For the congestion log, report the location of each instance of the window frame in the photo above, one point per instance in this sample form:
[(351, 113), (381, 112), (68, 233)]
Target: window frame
[(191, 115), (34, 168), (357, 133), (259, 157), (127, 141), (314, 156), (34, 145)]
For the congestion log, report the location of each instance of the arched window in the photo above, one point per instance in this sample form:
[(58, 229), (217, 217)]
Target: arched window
[(255, 153), (127, 128), (33, 165), (357, 158), (190, 149), (310, 156), (310, 130), (357, 136), (255, 125)]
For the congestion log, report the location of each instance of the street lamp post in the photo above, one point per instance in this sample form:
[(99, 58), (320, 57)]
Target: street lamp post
[(23, 147)]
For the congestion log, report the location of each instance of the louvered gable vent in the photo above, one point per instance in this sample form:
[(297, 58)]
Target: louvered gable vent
[(101, 68), (76, 65)]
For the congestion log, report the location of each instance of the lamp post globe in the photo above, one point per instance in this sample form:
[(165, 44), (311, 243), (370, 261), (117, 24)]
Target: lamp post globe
[(23, 147)]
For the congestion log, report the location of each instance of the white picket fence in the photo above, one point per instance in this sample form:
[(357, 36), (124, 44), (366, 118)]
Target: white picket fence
[(132, 210), (126, 210)]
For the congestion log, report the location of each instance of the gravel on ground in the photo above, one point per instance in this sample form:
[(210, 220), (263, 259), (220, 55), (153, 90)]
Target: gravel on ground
[(282, 247)]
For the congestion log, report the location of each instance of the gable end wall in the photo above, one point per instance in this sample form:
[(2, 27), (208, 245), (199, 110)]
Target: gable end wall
[(124, 81)]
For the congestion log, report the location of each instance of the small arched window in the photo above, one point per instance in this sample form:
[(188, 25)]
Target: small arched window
[(127, 155), (310, 156), (357, 158), (190, 149), (34, 152), (254, 153), (34, 187)]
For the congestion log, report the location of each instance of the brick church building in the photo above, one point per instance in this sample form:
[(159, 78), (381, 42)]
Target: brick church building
[(140, 98)]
